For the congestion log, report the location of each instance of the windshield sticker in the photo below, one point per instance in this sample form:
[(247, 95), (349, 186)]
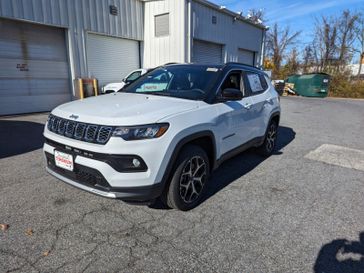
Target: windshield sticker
[(212, 69), (150, 87)]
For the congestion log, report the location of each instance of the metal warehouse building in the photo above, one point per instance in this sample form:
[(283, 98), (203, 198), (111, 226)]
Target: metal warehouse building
[(45, 45)]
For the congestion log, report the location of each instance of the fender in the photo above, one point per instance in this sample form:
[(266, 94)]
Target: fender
[(178, 148), (275, 114)]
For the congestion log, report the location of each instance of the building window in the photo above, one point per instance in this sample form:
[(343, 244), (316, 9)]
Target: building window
[(161, 25)]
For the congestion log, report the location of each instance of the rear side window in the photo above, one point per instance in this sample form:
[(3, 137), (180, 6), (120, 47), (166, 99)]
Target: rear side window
[(257, 83)]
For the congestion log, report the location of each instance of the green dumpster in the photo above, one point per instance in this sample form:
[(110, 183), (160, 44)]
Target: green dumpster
[(310, 85)]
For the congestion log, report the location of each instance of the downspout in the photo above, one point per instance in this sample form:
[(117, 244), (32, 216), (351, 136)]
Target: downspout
[(264, 35), (189, 36)]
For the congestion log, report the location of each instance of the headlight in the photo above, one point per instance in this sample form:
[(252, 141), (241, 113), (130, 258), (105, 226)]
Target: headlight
[(141, 132)]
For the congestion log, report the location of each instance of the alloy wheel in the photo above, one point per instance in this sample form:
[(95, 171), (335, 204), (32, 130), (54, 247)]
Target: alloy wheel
[(271, 137), (193, 179)]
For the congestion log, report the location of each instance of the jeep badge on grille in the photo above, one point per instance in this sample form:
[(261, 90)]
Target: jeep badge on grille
[(74, 116)]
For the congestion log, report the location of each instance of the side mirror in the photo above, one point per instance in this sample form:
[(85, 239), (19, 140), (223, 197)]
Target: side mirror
[(230, 94)]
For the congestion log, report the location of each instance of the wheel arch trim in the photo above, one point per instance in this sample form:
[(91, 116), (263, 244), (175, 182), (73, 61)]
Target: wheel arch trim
[(178, 147)]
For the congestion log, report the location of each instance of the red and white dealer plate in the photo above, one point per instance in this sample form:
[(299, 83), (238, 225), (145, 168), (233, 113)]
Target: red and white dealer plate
[(63, 160)]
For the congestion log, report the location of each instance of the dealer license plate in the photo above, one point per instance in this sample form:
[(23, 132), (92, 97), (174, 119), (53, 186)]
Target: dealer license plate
[(63, 160)]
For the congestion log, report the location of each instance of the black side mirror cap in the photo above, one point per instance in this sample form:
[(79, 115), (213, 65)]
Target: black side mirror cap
[(230, 94)]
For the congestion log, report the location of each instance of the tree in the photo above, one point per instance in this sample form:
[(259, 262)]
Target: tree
[(360, 39), (334, 41), (308, 58), (325, 42), (277, 43), (292, 64), (256, 16), (347, 26)]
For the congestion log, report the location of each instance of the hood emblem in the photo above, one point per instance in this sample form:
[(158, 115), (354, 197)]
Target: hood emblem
[(74, 116)]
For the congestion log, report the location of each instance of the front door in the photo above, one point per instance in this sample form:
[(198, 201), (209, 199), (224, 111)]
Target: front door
[(235, 119)]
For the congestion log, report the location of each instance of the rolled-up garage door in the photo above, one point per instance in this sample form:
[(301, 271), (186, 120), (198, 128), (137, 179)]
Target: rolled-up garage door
[(34, 72), (206, 53), (110, 59)]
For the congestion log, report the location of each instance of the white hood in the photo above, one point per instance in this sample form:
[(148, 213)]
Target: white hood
[(124, 109)]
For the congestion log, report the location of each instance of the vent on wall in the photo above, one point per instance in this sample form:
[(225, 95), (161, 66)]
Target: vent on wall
[(214, 20), (113, 10), (161, 25)]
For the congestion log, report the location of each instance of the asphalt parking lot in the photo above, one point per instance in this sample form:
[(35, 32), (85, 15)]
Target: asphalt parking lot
[(300, 210)]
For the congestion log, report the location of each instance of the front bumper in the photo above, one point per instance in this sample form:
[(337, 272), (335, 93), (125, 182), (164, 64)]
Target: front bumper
[(137, 194), (100, 177)]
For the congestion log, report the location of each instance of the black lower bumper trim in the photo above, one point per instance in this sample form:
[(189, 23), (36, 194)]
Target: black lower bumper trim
[(93, 181), (120, 163)]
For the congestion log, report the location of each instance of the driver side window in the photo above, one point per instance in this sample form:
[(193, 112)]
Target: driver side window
[(234, 80)]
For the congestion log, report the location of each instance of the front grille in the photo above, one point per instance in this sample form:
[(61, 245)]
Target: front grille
[(80, 131), (103, 135)]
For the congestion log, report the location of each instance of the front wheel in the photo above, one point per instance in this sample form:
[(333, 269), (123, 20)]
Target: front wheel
[(190, 176), (270, 139)]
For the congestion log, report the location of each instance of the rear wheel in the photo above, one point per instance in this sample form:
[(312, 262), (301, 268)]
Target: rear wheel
[(267, 148), (190, 176)]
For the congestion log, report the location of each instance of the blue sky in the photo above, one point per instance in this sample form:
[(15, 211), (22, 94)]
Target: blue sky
[(298, 14)]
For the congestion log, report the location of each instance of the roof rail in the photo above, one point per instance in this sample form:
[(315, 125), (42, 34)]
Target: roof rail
[(170, 63), (247, 65)]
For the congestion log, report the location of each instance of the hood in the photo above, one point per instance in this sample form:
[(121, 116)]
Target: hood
[(124, 109)]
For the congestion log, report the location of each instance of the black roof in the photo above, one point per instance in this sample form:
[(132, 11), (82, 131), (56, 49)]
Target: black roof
[(222, 66)]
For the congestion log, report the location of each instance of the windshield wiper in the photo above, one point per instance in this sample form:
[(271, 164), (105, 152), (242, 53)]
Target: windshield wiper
[(157, 93)]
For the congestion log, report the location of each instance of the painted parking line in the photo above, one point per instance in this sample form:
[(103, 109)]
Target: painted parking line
[(338, 155)]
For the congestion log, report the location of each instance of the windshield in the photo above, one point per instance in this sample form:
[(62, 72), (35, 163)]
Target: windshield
[(182, 81)]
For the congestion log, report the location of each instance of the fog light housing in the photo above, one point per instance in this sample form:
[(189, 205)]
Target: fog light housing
[(126, 163)]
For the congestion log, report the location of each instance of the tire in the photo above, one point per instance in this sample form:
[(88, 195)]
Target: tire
[(270, 140), (190, 176)]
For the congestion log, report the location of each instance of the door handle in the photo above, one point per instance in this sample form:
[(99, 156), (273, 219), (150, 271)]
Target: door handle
[(247, 106)]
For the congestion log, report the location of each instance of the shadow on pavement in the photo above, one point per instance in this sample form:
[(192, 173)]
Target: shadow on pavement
[(18, 137), (341, 256), (239, 165)]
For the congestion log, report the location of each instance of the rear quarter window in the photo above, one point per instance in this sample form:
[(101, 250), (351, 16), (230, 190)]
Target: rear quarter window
[(257, 83)]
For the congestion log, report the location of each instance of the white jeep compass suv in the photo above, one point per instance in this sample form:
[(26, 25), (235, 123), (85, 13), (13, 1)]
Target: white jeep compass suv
[(163, 134)]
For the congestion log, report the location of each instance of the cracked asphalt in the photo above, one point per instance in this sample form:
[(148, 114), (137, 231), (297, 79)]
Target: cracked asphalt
[(287, 213)]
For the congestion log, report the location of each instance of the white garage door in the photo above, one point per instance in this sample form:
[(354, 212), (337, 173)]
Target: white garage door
[(246, 57), (110, 59), (34, 75), (206, 53)]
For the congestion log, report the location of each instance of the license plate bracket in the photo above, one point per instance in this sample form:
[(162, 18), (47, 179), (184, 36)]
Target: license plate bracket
[(63, 160)]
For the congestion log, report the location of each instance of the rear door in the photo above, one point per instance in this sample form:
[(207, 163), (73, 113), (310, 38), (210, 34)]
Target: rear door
[(257, 87)]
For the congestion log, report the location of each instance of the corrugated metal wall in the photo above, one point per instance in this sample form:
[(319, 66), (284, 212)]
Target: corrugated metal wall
[(164, 49), (80, 16), (233, 34)]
